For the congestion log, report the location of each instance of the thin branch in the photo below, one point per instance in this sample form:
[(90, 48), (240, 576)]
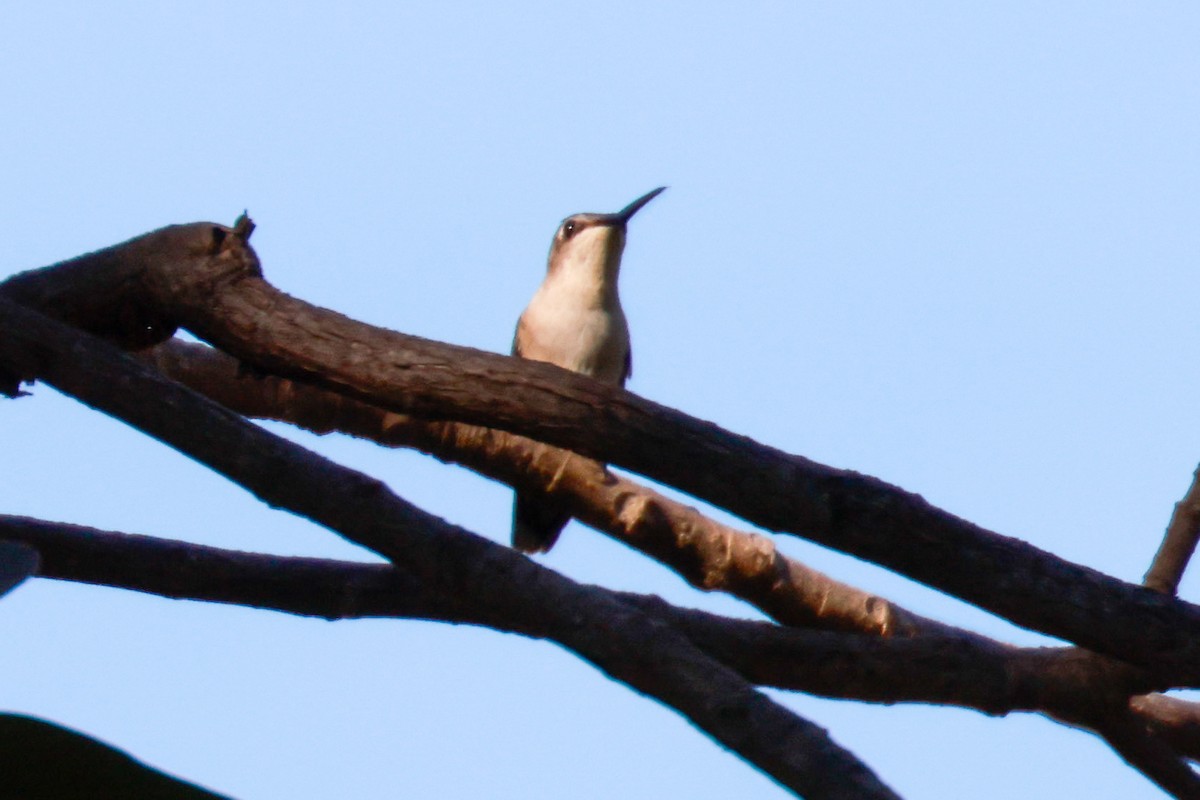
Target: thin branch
[(1179, 542), (502, 586), (205, 278), (969, 672), (1065, 683)]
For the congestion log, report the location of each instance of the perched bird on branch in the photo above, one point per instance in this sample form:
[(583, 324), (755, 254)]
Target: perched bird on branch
[(575, 321)]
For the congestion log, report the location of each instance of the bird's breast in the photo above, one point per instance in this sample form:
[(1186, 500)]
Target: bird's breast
[(593, 341)]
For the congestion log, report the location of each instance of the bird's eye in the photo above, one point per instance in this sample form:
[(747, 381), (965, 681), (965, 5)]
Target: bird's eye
[(568, 229)]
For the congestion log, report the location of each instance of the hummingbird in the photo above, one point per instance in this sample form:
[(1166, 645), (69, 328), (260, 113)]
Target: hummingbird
[(575, 321)]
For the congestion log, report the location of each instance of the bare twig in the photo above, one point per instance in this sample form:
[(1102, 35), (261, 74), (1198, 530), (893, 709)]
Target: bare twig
[(1179, 542)]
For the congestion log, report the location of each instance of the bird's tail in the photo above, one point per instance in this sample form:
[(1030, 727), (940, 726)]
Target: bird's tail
[(536, 523)]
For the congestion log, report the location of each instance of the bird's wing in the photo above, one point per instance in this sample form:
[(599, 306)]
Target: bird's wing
[(517, 337), (628, 369)]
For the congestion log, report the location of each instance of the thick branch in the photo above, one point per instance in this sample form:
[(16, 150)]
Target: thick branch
[(506, 589), (206, 280)]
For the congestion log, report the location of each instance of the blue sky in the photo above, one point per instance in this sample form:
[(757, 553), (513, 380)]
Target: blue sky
[(951, 245)]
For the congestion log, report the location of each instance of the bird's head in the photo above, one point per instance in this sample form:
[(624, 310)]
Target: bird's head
[(591, 244)]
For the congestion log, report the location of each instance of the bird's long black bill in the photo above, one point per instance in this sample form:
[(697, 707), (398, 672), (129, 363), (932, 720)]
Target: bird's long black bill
[(628, 211)]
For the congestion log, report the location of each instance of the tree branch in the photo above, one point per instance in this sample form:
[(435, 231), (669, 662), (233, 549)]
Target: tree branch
[(974, 673), (970, 672), (1077, 687), (1179, 542), (1175, 720), (504, 588), (708, 555), (205, 278), (956, 667), (1151, 756)]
